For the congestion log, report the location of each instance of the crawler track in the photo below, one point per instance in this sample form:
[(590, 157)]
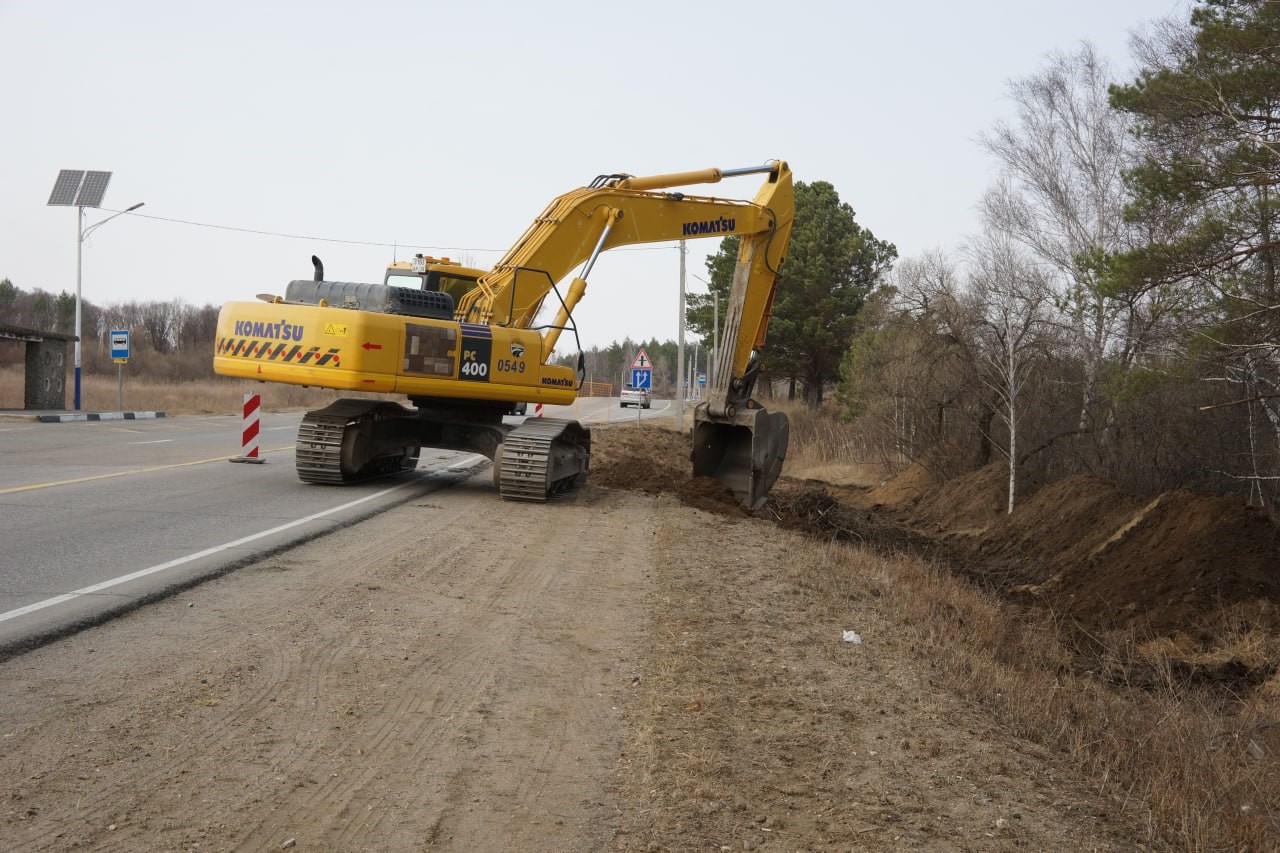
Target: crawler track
[(349, 441), (542, 458)]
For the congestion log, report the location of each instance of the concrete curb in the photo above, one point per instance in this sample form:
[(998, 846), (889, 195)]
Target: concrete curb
[(98, 416)]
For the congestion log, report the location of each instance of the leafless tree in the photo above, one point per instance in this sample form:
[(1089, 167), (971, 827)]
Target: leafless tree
[(1062, 196), (1011, 300), (162, 324), (199, 327), (930, 289)]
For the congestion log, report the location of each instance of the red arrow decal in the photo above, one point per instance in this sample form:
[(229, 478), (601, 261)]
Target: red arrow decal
[(368, 345)]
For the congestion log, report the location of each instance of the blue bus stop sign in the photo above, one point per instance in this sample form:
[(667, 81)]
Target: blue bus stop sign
[(120, 344)]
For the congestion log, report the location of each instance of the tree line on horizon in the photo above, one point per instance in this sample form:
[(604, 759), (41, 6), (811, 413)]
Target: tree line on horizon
[(171, 339)]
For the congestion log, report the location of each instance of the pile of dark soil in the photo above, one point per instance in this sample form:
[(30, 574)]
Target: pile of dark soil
[(1178, 562), (655, 459)]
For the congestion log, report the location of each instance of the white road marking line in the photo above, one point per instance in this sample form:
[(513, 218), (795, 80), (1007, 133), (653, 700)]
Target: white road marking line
[(142, 573), (154, 441)]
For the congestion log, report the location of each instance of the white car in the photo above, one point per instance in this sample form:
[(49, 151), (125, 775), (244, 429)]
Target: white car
[(633, 396)]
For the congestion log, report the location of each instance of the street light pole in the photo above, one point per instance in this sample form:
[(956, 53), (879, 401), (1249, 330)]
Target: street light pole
[(81, 233), (79, 253)]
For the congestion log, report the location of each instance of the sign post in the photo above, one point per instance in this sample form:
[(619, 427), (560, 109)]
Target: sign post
[(120, 354)]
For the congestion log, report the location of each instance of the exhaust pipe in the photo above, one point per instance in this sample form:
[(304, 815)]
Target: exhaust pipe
[(315, 262)]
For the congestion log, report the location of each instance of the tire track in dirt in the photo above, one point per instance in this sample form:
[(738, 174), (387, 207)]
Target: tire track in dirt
[(516, 740), (489, 609), (531, 716)]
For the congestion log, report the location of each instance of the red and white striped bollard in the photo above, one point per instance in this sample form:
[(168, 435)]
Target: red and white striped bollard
[(249, 432)]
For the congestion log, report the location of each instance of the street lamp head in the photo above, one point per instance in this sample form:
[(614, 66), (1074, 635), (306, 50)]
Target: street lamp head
[(135, 207)]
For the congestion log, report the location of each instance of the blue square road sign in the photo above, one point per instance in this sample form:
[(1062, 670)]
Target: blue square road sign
[(120, 343)]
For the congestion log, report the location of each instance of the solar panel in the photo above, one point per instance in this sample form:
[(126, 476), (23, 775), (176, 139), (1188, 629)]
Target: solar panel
[(93, 189), (64, 189)]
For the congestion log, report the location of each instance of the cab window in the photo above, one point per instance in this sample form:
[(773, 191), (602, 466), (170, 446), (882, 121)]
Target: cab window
[(404, 279)]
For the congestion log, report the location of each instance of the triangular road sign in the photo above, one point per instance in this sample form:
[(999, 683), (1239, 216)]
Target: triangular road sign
[(642, 361)]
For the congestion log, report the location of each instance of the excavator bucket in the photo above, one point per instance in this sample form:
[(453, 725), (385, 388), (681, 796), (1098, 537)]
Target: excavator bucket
[(744, 452)]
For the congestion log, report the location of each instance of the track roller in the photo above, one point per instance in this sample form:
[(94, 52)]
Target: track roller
[(541, 458), (354, 440)]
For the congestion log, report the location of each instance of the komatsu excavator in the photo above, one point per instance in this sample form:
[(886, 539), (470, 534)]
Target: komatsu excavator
[(466, 348)]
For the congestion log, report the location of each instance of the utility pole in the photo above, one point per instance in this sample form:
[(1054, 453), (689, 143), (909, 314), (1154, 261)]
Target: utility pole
[(680, 349), (715, 343), (693, 373), (715, 333)]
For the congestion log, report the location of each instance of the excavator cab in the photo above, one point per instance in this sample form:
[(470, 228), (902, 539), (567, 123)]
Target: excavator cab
[(433, 274)]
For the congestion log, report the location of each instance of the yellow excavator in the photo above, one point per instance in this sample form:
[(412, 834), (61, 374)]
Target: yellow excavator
[(466, 347)]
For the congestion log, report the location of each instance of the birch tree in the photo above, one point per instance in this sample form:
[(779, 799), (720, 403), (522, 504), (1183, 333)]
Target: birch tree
[(1010, 300), (1062, 197)]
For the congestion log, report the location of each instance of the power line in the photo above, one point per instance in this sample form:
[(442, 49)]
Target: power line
[(263, 233)]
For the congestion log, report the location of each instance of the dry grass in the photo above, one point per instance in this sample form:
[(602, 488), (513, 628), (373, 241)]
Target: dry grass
[(1195, 768), (1198, 763), (825, 448), (101, 392)]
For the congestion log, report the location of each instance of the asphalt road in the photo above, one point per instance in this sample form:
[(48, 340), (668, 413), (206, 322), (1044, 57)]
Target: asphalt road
[(97, 518)]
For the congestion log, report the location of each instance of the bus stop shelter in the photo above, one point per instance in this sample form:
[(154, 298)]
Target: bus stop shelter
[(45, 385)]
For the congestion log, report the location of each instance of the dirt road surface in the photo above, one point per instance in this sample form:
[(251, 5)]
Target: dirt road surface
[(615, 671)]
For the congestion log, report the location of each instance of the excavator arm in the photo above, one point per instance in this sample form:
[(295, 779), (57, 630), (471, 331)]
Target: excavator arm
[(620, 210)]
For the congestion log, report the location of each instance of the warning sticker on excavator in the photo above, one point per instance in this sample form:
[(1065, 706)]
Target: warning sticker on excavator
[(339, 329), (276, 351)]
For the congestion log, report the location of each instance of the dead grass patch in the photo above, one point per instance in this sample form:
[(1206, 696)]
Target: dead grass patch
[(824, 448), (102, 392), (1199, 767)]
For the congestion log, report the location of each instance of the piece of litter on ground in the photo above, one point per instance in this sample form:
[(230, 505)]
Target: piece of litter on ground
[(852, 637)]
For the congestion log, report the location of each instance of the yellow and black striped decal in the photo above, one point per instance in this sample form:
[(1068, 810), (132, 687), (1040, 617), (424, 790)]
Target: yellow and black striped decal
[(275, 351)]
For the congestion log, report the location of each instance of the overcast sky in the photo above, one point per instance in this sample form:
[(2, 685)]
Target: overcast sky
[(446, 127)]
